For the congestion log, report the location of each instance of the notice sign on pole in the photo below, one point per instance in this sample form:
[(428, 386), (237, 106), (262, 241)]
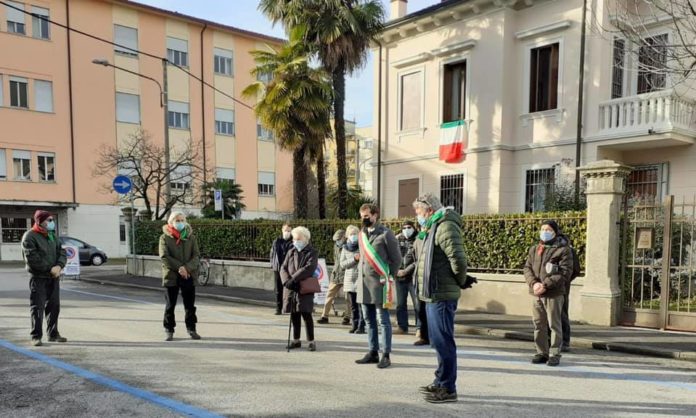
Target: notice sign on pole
[(72, 266), (322, 274), (218, 199)]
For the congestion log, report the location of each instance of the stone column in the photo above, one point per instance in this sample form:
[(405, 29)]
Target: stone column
[(601, 293)]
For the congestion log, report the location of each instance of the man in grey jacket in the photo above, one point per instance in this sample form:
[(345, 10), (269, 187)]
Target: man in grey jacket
[(380, 260)]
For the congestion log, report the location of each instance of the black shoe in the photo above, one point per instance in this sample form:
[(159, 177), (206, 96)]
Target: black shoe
[(36, 342), (169, 335), (352, 330), (565, 348), (554, 361), (294, 344), (441, 396), (360, 331), (194, 335), (370, 357), (421, 341), (57, 339), (323, 320), (384, 362), (278, 312), (539, 359), (431, 388), (312, 346), (346, 321)]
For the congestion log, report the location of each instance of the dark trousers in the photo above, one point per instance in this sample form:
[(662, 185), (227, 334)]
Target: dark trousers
[(441, 324), (565, 319), (188, 293), (297, 325), (404, 289), (44, 298), (423, 316), (356, 312), (278, 288)]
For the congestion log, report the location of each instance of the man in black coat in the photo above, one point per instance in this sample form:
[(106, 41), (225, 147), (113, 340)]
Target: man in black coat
[(279, 250)]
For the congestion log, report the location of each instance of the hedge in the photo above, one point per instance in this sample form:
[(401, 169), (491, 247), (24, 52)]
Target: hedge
[(493, 243)]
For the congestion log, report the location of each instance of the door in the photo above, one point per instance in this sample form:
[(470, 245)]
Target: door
[(408, 193)]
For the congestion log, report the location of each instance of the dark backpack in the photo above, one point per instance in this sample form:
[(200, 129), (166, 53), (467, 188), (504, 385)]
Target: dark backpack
[(576, 264)]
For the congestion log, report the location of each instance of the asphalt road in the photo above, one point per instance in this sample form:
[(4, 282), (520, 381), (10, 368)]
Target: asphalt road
[(117, 364)]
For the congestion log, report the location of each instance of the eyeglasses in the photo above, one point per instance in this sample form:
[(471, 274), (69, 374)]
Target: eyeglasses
[(49, 219), (408, 227)]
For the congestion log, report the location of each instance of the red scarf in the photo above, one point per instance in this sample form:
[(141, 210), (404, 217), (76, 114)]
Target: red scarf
[(540, 248), (175, 233), (43, 231)]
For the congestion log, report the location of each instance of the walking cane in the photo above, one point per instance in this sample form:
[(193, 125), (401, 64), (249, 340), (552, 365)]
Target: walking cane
[(292, 310)]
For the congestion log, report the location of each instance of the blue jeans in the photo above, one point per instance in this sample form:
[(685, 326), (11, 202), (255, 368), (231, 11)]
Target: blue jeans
[(373, 313), (441, 330), (403, 289)]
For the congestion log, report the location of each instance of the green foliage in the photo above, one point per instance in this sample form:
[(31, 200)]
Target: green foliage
[(493, 243), (562, 198), (356, 198), (232, 199)]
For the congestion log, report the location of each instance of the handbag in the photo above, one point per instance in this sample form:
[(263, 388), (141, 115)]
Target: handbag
[(310, 285)]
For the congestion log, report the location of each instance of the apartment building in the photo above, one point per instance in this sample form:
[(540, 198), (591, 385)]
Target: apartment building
[(58, 109), (510, 71)]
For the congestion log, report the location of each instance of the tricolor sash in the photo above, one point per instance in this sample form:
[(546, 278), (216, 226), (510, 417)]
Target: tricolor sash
[(379, 266)]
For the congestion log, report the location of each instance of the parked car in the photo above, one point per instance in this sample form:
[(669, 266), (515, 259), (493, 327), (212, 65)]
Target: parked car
[(89, 254)]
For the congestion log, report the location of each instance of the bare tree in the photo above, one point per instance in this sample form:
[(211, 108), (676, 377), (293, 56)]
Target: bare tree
[(142, 160), (656, 38)]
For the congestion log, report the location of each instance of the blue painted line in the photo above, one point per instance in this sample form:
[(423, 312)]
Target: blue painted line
[(171, 404)]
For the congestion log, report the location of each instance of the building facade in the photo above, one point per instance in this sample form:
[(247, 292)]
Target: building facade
[(59, 109), (510, 70)]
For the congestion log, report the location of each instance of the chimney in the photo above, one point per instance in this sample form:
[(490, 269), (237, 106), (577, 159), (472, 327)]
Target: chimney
[(398, 9)]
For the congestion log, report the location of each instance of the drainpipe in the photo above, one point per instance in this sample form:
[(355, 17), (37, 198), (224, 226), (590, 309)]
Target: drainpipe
[(581, 91), (205, 158), (379, 128), (72, 115)]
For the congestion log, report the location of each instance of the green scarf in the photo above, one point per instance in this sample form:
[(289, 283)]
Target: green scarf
[(433, 219)]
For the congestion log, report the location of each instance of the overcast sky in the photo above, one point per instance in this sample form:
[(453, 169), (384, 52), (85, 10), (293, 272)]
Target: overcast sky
[(244, 15)]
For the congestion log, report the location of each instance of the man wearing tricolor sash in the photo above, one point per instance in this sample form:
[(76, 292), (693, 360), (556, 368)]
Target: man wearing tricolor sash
[(380, 259)]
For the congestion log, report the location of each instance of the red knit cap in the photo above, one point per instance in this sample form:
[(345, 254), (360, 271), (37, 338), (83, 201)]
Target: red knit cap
[(41, 215)]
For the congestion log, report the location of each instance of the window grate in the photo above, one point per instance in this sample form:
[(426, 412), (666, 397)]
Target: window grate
[(452, 191), (539, 185)]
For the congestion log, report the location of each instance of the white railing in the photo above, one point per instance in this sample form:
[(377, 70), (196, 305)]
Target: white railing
[(651, 112)]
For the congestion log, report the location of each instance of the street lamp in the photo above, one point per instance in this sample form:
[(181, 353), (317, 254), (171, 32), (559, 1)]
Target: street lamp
[(163, 104)]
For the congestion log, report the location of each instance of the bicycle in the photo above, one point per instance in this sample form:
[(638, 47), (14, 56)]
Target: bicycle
[(204, 271)]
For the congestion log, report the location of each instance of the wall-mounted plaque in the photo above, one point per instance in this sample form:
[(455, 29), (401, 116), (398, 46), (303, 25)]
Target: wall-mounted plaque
[(645, 238)]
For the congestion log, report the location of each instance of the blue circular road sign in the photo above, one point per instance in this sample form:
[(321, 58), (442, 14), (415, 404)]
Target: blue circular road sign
[(122, 184)]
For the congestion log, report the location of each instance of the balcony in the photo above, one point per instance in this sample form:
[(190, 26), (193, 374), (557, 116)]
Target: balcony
[(663, 117)]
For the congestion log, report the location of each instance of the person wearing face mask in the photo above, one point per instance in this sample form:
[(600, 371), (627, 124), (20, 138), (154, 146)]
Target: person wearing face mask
[(279, 249), (350, 256), (380, 259), (339, 238), (404, 279), (440, 274), (547, 273), (178, 250), (45, 260), (300, 264)]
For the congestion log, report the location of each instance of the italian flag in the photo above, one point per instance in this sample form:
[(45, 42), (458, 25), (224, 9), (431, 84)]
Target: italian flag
[(453, 138)]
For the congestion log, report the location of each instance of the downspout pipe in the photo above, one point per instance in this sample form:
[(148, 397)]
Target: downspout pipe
[(379, 127), (205, 155), (581, 94), (72, 114)]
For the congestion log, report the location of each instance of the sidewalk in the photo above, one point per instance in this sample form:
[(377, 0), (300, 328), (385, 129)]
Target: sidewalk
[(646, 342)]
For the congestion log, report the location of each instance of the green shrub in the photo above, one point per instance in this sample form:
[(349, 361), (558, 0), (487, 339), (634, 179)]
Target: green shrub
[(493, 243)]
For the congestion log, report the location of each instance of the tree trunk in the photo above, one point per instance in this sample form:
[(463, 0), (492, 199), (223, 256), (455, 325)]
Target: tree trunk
[(339, 85), (299, 172), (321, 183)]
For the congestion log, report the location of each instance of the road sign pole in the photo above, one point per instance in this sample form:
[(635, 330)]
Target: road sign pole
[(132, 226)]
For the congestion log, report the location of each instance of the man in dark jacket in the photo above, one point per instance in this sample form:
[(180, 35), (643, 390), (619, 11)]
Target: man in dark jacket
[(45, 260), (404, 278), (547, 273), (339, 238), (441, 274), (279, 250)]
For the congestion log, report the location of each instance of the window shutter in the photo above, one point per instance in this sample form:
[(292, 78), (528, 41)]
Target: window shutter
[(127, 108), (225, 173), (125, 36), (3, 164), (43, 92), (178, 107), (14, 15), (266, 178), (177, 44), (224, 115)]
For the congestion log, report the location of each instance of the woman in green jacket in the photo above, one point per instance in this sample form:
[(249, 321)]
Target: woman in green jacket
[(178, 249)]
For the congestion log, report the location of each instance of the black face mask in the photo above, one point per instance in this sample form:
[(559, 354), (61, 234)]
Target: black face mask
[(367, 222)]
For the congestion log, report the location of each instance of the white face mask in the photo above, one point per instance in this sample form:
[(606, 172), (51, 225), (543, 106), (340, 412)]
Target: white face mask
[(408, 232)]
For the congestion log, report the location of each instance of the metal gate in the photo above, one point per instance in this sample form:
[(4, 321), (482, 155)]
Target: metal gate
[(658, 268)]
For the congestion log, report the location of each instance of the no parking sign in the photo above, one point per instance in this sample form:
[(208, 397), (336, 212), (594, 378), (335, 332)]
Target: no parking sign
[(72, 266), (323, 276)]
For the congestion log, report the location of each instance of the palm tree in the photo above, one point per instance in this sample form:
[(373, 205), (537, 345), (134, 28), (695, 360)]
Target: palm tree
[(232, 199), (339, 32), (294, 105)]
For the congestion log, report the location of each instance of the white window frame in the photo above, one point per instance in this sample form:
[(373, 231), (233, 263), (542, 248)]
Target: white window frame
[(263, 134), (41, 95), (264, 77), (262, 182), (37, 24), (15, 17), (125, 41), (124, 115), (23, 155), (224, 126), (560, 91), (3, 164), (223, 59), (635, 62), (462, 172), (177, 51), (178, 116), (20, 80), (45, 156), (464, 58), (523, 180), (182, 180), (399, 81)]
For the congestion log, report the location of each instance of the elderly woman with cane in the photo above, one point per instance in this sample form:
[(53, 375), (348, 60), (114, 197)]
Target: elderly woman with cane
[(297, 275)]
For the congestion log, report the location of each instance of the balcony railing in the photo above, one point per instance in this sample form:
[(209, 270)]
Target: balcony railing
[(661, 111)]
